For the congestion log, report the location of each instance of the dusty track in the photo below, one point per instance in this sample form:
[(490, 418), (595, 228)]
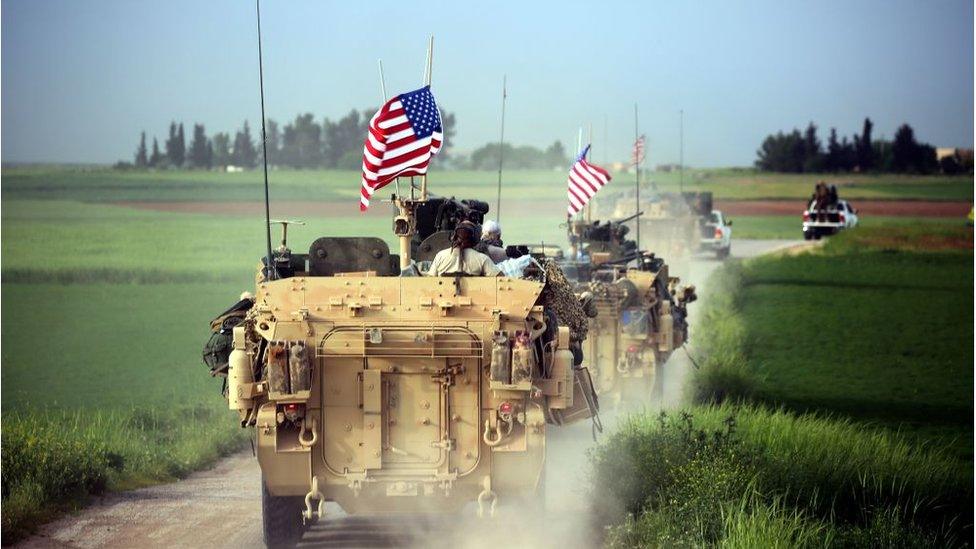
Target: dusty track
[(221, 507)]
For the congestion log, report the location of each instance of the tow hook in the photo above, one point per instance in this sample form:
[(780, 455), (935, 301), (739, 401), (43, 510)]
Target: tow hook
[(486, 495), (500, 436), (308, 425), (310, 516)]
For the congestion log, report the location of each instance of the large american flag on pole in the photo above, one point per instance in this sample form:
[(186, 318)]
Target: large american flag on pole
[(585, 180), (403, 136), (637, 156)]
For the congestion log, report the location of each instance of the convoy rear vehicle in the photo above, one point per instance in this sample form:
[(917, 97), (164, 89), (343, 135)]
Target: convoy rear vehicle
[(389, 392)]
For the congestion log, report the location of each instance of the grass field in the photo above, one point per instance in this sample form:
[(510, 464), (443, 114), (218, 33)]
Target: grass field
[(789, 226), (845, 376), (105, 307), (103, 184)]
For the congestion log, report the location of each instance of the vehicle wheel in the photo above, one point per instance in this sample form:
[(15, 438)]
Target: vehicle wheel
[(807, 235), (282, 518), (723, 253)]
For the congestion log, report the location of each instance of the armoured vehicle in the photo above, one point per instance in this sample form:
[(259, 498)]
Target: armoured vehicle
[(385, 391), (638, 310), (672, 224)]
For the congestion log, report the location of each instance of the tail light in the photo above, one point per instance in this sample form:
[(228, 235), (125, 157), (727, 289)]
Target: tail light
[(293, 411), (718, 233), (806, 216), (840, 217), (505, 408)]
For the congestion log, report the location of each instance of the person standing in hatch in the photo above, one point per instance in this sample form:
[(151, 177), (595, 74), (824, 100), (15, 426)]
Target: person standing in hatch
[(461, 257)]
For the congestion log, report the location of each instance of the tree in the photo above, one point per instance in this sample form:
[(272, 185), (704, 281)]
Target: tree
[(141, 161), (221, 150), (198, 148), (908, 155), (449, 125), (832, 160), (181, 146), (209, 155), (812, 153), (556, 155), (343, 140), (782, 153), (173, 151), (302, 142), (864, 149), (272, 142), (244, 154), (156, 158)]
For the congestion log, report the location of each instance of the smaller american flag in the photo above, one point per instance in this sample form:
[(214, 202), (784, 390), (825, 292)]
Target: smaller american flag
[(637, 156), (403, 136), (585, 180)]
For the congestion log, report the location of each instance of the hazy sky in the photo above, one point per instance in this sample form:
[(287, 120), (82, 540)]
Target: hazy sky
[(80, 79)]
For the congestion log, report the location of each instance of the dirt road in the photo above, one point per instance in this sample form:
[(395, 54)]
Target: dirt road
[(221, 507)]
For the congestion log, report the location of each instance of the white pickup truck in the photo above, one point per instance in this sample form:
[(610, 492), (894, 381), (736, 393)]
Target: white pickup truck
[(828, 220), (716, 234)]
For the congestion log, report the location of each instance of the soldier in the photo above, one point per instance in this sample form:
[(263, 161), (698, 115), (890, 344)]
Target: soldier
[(492, 233), (461, 257), (491, 241)]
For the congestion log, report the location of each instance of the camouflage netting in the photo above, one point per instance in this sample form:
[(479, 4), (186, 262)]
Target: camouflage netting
[(558, 296)]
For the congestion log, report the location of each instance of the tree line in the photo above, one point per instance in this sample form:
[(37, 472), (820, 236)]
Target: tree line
[(797, 152), (301, 143), (305, 143)]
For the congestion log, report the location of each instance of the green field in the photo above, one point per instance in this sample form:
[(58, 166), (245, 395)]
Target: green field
[(845, 376), (103, 184), (106, 307), (789, 226)]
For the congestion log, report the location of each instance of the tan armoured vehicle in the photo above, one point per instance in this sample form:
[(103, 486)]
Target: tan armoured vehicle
[(639, 311), (672, 224), (384, 391)]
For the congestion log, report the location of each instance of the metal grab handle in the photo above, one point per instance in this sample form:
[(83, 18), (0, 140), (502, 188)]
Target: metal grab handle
[(305, 429)]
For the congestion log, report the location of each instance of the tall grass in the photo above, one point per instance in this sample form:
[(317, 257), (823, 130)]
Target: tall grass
[(54, 460), (724, 372), (681, 481)]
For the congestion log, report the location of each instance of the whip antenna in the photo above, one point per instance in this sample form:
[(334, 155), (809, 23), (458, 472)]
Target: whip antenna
[(501, 153), (270, 271)]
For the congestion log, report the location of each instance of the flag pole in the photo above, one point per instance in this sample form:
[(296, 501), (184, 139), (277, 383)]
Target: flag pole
[(427, 74), (501, 153), (589, 205), (637, 159), (579, 150), (379, 62), (270, 271)]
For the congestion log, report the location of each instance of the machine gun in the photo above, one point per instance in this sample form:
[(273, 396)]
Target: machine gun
[(436, 220), (608, 240)]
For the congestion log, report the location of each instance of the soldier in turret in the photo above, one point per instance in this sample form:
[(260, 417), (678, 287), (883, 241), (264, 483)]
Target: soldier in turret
[(462, 257)]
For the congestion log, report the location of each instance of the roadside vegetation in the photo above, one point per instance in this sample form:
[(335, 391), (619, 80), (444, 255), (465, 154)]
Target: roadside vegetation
[(832, 408)]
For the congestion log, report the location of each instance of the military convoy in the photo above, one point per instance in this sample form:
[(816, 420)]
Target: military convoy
[(638, 311), (385, 391)]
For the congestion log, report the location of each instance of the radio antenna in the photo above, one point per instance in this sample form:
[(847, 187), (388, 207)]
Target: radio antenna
[(270, 271)]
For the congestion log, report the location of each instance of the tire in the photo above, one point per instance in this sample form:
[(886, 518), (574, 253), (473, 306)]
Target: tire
[(723, 253), (807, 235), (282, 518)]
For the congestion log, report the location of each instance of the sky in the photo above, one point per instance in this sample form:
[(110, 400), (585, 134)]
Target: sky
[(81, 79)]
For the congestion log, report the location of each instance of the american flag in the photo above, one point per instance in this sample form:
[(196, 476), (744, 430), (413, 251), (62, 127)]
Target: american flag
[(585, 180), (637, 156), (403, 136)]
